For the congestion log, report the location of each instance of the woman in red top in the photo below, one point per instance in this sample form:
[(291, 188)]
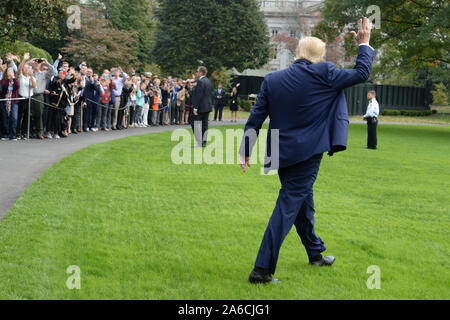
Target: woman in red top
[(9, 109), (106, 88)]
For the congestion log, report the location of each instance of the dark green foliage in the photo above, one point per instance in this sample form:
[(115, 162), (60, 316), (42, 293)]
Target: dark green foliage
[(19, 48), (133, 15), (246, 105), (414, 35), (214, 33), (23, 19), (410, 113)]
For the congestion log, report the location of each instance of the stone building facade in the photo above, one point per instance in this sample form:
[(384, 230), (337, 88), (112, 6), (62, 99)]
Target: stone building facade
[(294, 19)]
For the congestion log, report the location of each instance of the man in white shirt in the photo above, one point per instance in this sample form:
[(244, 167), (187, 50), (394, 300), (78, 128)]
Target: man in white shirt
[(371, 117)]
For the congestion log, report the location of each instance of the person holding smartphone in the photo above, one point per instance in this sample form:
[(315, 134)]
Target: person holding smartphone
[(26, 91), (9, 87), (43, 72)]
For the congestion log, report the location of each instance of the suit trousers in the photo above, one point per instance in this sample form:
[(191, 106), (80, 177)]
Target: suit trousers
[(295, 206), (218, 110), (199, 125), (55, 120), (372, 123), (88, 115), (173, 112), (22, 117), (120, 115), (37, 108)]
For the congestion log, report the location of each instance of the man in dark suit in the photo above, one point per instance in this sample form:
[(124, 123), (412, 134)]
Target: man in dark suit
[(90, 89), (308, 116), (201, 101), (219, 102)]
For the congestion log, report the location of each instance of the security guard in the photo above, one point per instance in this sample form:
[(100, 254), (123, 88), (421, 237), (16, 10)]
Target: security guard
[(371, 117)]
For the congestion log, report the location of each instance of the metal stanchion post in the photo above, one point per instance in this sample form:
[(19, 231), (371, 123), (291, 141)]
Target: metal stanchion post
[(29, 109), (81, 117)]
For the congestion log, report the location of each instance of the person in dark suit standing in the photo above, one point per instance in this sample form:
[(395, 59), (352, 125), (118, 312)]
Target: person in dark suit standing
[(202, 107), (308, 116), (219, 102)]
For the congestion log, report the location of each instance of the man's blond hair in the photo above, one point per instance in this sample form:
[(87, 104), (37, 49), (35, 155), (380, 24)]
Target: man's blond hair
[(311, 49)]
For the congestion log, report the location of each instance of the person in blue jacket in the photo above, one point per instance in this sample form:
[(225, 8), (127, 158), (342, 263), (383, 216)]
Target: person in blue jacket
[(308, 116)]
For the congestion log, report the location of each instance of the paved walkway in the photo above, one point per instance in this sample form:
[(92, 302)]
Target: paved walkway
[(21, 162)]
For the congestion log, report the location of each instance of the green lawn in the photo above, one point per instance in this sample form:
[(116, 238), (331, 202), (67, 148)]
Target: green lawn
[(141, 227), (431, 119), (439, 118)]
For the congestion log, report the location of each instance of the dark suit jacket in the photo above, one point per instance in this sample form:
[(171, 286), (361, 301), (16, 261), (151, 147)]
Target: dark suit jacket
[(202, 96), (90, 90), (306, 103), (219, 102)]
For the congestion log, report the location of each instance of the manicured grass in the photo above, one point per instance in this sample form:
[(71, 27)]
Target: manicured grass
[(441, 108), (141, 227), (438, 118), (227, 114), (431, 119)]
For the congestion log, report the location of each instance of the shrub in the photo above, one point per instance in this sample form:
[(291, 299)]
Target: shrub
[(388, 112), (409, 113), (440, 94), (246, 105), (20, 47), (223, 77)]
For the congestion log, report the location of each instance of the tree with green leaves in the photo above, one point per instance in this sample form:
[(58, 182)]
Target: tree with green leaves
[(439, 93), (99, 43), (23, 19), (19, 48), (413, 34), (135, 16), (215, 33)]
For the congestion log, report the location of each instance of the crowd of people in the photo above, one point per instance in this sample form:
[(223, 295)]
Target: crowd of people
[(44, 101)]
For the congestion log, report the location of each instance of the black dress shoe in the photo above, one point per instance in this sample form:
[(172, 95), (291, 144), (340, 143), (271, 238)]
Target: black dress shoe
[(320, 261), (261, 277)]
